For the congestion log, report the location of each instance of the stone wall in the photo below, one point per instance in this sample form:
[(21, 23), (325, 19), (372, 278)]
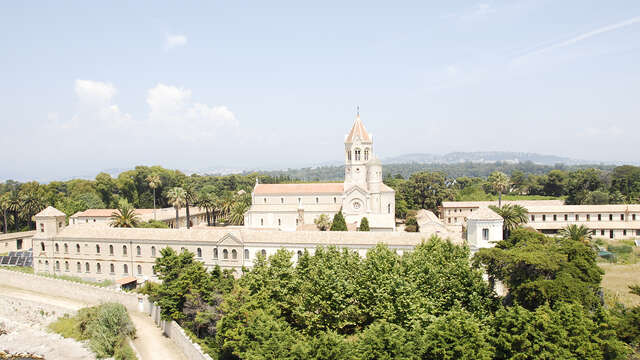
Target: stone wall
[(176, 333), (94, 294)]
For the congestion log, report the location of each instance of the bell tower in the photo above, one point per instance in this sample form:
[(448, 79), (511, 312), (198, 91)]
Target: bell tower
[(358, 146)]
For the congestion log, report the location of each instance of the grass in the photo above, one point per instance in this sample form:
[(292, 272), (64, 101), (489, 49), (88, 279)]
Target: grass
[(107, 328), (616, 281), (22, 269), (103, 283)]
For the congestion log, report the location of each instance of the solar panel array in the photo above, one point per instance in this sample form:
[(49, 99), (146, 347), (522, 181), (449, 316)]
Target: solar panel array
[(18, 258)]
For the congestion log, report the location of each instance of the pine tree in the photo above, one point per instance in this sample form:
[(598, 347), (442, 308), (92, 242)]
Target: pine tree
[(339, 224), (364, 224)]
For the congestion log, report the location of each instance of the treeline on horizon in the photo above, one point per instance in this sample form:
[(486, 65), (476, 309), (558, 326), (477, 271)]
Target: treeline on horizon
[(416, 188)]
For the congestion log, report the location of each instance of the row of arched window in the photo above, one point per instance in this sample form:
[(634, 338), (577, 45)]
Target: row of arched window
[(87, 267), (357, 154), (65, 246)]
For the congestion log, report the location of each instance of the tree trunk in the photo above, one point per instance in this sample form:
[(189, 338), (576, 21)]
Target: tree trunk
[(154, 204), (188, 219), (499, 199), (213, 215), (177, 219), (4, 215), (206, 210), (15, 220)]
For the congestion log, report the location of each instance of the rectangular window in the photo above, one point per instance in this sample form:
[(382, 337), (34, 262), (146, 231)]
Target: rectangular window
[(622, 217), (624, 232), (637, 232), (577, 217), (599, 217), (610, 217), (555, 217), (533, 218), (41, 227), (588, 217), (485, 234), (602, 232), (610, 234), (566, 217), (633, 217), (544, 217)]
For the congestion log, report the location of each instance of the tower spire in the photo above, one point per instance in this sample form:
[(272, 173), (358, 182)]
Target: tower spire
[(358, 110)]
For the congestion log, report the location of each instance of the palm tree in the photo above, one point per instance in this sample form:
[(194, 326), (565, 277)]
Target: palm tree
[(4, 205), (177, 198), (513, 215), (154, 181), (500, 183), (323, 222), (226, 203), (124, 216), (236, 216), (208, 201), (31, 203), (14, 206), (577, 233)]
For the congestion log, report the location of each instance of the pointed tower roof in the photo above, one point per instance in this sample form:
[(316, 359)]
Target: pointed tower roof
[(358, 130), (50, 211)]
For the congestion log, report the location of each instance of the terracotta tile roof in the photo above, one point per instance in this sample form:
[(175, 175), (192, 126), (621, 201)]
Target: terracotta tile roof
[(126, 280), (302, 189), (358, 130), (106, 212)]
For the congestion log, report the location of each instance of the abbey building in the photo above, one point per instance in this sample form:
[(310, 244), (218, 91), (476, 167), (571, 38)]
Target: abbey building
[(292, 207)]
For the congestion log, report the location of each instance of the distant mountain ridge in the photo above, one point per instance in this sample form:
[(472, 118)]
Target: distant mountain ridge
[(485, 157)]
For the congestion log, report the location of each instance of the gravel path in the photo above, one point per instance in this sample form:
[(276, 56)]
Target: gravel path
[(150, 343)]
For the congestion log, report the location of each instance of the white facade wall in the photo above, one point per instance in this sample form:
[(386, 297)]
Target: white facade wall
[(484, 233)]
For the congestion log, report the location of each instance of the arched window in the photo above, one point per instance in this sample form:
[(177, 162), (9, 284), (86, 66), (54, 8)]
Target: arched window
[(98, 268), (281, 200), (112, 268), (234, 254), (366, 154), (86, 267), (46, 262), (42, 246), (182, 249), (335, 200), (138, 250), (125, 269), (57, 247), (357, 153), (246, 254), (317, 200), (78, 267), (66, 266), (279, 222), (57, 265), (199, 251), (153, 251), (389, 208), (110, 249), (299, 254), (225, 254), (261, 222), (66, 248), (349, 155), (97, 249), (265, 200), (124, 249), (139, 269), (215, 253), (77, 248), (263, 252)]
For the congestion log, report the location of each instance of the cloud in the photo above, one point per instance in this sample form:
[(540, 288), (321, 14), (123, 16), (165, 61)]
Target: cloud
[(173, 41), (172, 109), (581, 37), (95, 106), (477, 11)]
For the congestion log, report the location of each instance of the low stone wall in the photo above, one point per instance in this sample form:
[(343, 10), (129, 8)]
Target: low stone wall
[(82, 292), (95, 295), (170, 328)]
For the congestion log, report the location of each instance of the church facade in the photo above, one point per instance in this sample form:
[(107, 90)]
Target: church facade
[(292, 207)]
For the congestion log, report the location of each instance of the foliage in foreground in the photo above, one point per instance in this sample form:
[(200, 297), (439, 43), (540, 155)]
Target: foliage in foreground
[(107, 328)]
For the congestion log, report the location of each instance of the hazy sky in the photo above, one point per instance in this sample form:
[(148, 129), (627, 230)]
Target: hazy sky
[(87, 86)]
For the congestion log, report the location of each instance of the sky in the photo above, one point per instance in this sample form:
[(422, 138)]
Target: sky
[(92, 86)]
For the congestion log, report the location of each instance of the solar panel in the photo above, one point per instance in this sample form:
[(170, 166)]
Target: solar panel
[(18, 254), (13, 260), (4, 260), (12, 253), (21, 261), (28, 262)]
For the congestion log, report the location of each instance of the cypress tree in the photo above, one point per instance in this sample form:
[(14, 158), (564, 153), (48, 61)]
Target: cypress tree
[(339, 224), (364, 224)]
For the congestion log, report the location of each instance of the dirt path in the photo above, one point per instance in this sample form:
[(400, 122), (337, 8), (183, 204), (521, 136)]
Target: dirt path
[(150, 342)]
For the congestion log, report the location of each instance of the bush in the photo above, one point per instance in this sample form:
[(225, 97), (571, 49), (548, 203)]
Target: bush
[(364, 224), (124, 352), (67, 326), (338, 224), (620, 249)]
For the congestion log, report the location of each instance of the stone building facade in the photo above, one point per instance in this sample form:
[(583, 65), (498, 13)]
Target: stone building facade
[(292, 207)]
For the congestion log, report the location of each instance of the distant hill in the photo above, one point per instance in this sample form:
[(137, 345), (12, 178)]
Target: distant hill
[(484, 157)]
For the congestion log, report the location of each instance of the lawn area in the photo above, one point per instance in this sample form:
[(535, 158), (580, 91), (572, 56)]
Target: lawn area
[(616, 280), (23, 269)]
